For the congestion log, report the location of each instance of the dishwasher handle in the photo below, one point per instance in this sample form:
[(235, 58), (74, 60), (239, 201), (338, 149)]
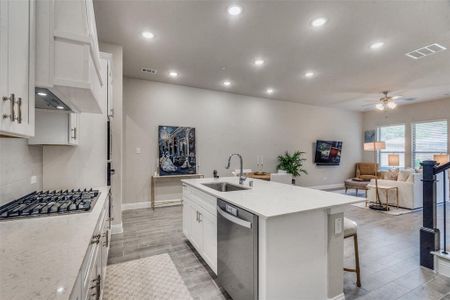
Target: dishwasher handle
[(234, 219)]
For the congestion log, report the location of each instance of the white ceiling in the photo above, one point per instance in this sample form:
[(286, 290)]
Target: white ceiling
[(205, 45)]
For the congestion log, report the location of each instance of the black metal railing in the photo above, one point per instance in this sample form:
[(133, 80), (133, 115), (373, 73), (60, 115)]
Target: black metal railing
[(429, 233)]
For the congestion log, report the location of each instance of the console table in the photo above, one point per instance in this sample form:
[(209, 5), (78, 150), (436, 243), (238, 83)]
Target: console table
[(156, 178)]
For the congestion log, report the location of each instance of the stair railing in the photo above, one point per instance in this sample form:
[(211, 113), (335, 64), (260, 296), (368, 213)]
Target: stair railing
[(429, 233)]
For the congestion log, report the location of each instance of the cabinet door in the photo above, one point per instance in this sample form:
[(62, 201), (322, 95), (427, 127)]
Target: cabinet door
[(110, 91), (195, 234), (187, 218), (74, 132), (17, 18), (209, 224)]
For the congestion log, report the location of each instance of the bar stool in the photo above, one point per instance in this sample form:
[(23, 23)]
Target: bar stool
[(350, 230)]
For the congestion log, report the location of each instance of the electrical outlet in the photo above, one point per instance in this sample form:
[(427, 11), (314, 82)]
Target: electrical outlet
[(33, 179), (138, 150), (337, 226)]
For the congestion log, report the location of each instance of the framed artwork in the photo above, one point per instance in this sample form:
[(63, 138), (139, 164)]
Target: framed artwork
[(177, 154), (370, 136)]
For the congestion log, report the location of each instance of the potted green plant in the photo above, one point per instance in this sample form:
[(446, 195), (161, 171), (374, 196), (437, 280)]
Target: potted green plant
[(293, 164)]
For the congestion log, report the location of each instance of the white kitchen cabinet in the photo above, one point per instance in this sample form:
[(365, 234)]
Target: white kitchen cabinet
[(55, 127), (67, 53), (106, 62), (90, 280), (200, 224), (17, 27), (209, 224)]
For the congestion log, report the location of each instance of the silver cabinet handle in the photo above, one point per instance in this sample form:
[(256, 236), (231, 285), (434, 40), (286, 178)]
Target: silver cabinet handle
[(74, 133), (12, 115), (96, 239), (199, 217), (19, 103), (233, 219)]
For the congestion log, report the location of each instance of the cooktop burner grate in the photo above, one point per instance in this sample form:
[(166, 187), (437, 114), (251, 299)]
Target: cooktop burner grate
[(50, 203)]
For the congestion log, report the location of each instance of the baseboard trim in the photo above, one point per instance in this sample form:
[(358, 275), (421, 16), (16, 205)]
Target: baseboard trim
[(116, 228), (338, 297), (162, 203), (135, 205), (327, 187)]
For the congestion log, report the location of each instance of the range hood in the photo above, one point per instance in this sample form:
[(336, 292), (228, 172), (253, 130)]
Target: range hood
[(45, 99), (67, 55)]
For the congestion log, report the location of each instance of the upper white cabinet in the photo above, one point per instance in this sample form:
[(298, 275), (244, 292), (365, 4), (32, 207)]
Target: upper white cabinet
[(17, 33), (106, 64), (67, 53), (55, 128)]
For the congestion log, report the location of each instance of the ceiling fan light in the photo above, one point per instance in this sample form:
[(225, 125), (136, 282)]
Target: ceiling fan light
[(379, 106), (392, 105)]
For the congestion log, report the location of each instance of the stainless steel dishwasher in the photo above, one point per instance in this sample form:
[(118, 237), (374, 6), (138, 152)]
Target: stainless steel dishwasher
[(237, 251)]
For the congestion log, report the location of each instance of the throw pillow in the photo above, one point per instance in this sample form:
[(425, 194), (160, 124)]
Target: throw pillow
[(403, 175), (391, 175), (410, 178)]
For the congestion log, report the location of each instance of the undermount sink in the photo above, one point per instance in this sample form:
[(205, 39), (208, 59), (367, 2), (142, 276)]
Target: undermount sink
[(224, 186)]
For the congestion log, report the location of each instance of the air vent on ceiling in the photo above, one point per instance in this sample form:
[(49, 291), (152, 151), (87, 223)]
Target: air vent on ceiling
[(426, 51), (149, 70)]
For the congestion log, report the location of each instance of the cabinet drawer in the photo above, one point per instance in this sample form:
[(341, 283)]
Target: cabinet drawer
[(205, 200)]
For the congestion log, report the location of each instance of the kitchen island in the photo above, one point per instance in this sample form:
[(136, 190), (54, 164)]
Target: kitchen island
[(299, 250)]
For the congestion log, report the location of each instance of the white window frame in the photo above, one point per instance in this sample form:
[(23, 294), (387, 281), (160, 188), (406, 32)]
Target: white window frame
[(391, 152)]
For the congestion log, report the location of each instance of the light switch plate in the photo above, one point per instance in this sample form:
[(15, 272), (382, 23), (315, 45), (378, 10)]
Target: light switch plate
[(337, 226), (138, 150), (33, 179)]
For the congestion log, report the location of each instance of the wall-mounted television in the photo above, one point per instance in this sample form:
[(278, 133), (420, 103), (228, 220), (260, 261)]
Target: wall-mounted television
[(328, 153)]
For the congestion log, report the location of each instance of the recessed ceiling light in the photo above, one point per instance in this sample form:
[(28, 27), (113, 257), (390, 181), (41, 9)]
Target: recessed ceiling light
[(270, 91), (42, 94), (227, 83), (376, 45), (60, 107), (234, 10), (148, 35), (173, 74), (319, 22), (309, 74), (258, 62)]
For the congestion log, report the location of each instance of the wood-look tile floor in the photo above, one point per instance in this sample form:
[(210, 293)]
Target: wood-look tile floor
[(389, 254)]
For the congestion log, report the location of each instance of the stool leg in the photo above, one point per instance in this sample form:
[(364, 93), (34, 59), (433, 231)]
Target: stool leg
[(358, 272)]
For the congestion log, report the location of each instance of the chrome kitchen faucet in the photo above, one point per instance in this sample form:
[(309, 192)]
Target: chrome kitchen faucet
[(241, 174)]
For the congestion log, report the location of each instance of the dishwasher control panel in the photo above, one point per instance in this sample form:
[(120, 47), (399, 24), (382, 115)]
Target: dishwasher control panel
[(231, 210)]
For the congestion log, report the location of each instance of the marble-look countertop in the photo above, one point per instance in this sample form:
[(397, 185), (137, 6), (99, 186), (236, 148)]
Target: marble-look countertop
[(40, 258), (269, 199)]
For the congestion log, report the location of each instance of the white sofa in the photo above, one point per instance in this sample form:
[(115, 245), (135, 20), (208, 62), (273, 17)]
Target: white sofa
[(410, 192)]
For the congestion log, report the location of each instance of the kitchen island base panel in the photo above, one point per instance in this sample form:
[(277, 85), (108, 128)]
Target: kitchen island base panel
[(298, 256)]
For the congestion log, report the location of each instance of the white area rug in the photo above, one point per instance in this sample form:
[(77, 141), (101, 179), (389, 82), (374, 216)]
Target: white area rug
[(154, 277), (394, 211)]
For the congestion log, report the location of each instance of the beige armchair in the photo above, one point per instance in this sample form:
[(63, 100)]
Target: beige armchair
[(366, 171)]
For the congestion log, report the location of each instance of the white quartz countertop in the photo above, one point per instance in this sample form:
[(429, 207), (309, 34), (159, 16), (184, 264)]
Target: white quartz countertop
[(269, 199), (40, 257)]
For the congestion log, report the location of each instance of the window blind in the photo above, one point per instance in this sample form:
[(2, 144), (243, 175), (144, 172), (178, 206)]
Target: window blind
[(394, 137), (428, 139)]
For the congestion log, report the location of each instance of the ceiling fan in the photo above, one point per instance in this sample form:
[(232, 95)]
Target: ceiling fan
[(386, 102)]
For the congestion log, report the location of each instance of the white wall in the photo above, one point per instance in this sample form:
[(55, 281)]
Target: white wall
[(226, 123), (407, 114), (18, 162)]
